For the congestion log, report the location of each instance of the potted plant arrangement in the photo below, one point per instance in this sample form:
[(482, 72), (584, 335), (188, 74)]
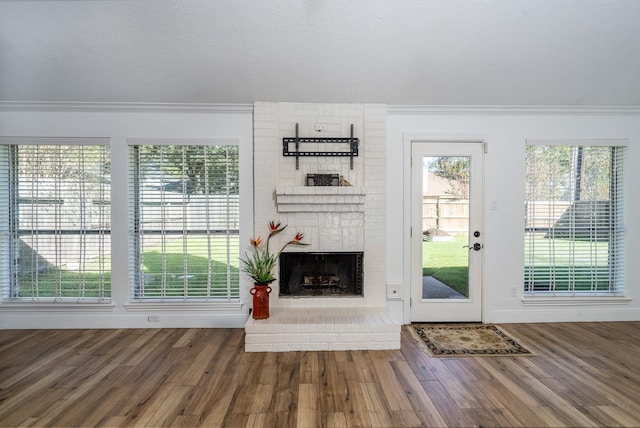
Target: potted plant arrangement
[(259, 266)]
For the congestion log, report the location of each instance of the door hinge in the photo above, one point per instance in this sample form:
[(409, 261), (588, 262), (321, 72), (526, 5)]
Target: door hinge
[(411, 232), (410, 302), (485, 146)]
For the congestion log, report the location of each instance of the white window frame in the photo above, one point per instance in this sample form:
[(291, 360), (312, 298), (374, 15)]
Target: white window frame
[(575, 297), (7, 252), (135, 299)]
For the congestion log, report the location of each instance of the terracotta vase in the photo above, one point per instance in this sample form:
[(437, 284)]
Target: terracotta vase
[(260, 295)]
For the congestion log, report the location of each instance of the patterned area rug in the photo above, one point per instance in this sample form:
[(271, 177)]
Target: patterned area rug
[(448, 340)]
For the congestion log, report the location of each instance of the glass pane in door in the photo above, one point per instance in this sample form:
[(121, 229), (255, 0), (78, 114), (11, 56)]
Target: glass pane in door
[(445, 227)]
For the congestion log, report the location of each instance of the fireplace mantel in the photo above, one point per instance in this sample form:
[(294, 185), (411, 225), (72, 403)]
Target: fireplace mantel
[(291, 199)]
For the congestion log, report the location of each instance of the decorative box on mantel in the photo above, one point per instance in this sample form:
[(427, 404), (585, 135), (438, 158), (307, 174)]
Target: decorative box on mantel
[(320, 199)]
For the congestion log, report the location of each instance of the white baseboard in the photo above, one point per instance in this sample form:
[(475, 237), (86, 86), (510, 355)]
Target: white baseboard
[(566, 314), (22, 320)]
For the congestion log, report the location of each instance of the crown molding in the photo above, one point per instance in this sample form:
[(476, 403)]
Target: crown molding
[(125, 107), (248, 108), (489, 109)]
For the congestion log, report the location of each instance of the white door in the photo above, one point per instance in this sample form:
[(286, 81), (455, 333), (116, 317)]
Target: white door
[(447, 235)]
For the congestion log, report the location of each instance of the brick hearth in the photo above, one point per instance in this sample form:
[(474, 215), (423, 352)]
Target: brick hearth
[(323, 329)]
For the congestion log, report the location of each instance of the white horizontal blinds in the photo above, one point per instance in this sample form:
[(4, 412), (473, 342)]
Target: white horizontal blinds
[(574, 236), (185, 220), (6, 260), (617, 256), (58, 230)]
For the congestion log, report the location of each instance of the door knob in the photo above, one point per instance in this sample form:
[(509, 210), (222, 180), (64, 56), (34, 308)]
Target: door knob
[(477, 247)]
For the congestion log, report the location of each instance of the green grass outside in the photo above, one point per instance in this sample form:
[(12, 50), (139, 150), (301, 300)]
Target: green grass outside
[(448, 261), (197, 273), (62, 283), (566, 274), (68, 283)]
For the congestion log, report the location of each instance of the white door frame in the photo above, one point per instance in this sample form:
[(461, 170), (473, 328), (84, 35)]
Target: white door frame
[(408, 139)]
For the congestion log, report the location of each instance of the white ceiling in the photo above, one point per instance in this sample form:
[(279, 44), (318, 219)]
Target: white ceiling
[(399, 52)]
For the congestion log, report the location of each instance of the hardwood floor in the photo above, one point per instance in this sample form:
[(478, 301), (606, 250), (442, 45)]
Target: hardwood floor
[(585, 374)]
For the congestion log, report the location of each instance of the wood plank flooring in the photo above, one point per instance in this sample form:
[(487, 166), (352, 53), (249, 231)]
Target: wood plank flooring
[(585, 374)]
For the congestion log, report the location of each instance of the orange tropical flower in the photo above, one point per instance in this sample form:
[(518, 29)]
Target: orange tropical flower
[(260, 264), (273, 226)]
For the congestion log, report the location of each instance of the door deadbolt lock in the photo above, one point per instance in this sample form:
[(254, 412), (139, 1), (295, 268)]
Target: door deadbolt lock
[(476, 234)]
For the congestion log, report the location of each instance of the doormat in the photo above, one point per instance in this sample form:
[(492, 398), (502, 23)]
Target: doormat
[(447, 340)]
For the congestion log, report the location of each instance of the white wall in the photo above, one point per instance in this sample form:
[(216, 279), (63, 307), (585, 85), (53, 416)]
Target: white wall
[(503, 255), (505, 130), (120, 123)]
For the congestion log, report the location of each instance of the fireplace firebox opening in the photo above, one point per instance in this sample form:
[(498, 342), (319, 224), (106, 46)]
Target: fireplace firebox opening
[(321, 274)]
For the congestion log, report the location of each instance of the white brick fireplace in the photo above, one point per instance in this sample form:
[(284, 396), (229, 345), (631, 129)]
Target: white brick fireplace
[(333, 219)]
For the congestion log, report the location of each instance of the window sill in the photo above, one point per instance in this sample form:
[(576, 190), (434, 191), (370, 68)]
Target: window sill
[(575, 300), (181, 306), (56, 307)]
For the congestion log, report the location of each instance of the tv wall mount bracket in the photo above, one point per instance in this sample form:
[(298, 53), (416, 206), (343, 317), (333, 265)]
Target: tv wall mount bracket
[(297, 141)]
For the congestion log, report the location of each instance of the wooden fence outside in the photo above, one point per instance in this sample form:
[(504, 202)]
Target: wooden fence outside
[(446, 214), (452, 215)]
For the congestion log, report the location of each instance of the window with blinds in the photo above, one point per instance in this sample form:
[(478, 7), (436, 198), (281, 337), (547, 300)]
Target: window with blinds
[(574, 220), (184, 208), (55, 222)]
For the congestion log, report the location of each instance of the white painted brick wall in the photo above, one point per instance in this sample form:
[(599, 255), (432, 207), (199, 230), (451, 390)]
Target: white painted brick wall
[(338, 220), (351, 226)]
